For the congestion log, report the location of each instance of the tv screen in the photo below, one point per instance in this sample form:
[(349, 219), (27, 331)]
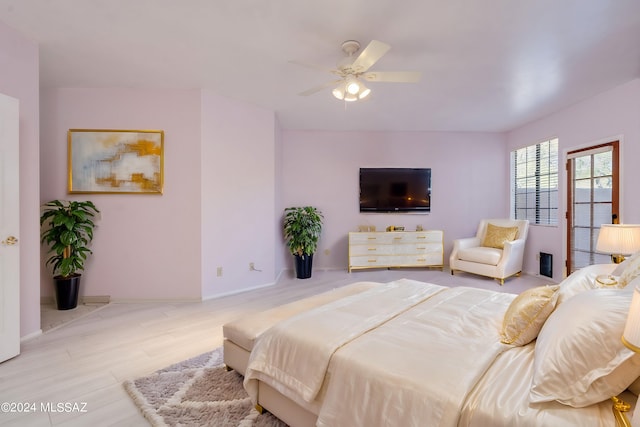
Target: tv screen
[(395, 189)]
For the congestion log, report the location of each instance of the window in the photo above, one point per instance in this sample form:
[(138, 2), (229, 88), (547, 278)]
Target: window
[(534, 183)]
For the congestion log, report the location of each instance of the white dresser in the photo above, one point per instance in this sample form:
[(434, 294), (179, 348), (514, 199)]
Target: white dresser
[(382, 249)]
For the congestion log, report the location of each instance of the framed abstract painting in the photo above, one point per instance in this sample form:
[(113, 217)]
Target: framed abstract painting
[(116, 161)]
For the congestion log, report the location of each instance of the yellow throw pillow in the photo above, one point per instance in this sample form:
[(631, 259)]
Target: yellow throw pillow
[(527, 313), (497, 236)]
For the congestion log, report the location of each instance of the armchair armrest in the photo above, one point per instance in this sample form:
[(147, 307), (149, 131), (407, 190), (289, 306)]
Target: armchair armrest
[(458, 245), (512, 256), (469, 242), (513, 247)]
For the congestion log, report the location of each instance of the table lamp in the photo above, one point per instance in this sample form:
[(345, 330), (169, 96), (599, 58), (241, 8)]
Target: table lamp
[(619, 240), (631, 339)]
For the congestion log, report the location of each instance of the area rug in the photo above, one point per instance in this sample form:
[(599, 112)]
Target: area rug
[(197, 392)]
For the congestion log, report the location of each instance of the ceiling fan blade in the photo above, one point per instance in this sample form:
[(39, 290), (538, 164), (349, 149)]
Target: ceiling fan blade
[(393, 76), (319, 88), (313, 66), (369, 56)]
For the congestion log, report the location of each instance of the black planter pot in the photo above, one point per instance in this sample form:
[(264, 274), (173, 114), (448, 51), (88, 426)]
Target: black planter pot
[(67, 291), (303, 266)]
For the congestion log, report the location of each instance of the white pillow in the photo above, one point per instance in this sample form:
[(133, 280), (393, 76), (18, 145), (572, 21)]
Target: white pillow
[(579, 358), (621, 267), (631, 270), (582, 280)]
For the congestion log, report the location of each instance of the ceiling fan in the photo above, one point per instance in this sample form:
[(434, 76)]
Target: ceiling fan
[(352, 70)]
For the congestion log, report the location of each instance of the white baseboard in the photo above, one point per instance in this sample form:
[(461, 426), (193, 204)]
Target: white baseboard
[(87, 299), (239, 291), (152, 300), (31, 336), (95, 299)]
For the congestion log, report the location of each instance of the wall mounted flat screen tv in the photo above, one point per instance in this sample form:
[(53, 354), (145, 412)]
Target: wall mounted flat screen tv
[(395, 190)]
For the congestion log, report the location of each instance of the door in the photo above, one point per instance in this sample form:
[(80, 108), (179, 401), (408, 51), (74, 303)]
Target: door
[(593, 200), (9, 227)]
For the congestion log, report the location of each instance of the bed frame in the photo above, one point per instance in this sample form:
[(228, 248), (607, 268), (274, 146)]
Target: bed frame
[(236, 357)]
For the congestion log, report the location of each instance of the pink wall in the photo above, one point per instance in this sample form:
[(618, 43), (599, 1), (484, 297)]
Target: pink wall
[(281, 256), (469, 181), (238, 195), (612, 115), (145, 246), (217, 209), (19, 79), (169, 246)]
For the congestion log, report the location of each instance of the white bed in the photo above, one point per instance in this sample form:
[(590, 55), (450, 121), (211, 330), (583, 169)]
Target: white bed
[(413, 354)]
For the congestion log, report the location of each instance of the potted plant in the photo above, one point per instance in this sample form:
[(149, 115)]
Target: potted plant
[(302, 227), (67, 229)]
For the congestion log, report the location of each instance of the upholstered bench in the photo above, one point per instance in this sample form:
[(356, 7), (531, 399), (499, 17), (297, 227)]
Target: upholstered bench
[(240, 335)]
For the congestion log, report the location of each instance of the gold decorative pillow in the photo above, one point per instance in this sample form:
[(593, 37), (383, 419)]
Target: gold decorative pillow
[(495, 236), (527, 313)]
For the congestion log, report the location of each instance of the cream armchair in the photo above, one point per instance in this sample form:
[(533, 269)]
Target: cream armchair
[(497, 254)]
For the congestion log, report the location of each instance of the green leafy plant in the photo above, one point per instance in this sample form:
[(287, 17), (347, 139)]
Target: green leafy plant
[(67, 230), (302, 228)]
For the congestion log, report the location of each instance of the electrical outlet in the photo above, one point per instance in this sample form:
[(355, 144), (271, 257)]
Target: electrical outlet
[(252, 266), (219, 272)]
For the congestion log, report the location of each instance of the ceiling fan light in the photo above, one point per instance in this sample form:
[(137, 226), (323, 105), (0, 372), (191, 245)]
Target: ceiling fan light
[(353, 87), (350, 97), (351, 90), (338, 93), (364, 92)]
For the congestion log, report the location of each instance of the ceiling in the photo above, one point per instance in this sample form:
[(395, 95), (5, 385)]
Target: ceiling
[(489, 65)]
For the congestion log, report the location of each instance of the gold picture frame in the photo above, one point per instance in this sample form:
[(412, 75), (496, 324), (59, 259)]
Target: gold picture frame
[(115, 161)]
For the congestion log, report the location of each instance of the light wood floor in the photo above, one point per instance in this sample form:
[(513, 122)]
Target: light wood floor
[(52, 318), (86, 361)]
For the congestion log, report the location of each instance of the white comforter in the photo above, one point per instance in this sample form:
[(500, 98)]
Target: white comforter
[(501, 399), (433, 355), (293, 356), (412, 366)]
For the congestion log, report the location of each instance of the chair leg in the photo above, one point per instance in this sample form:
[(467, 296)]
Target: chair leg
[(501, 281), (452, 271)]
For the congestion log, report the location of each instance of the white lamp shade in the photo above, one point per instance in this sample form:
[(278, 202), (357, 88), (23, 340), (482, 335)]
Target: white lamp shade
[(353, 87), (631, 338), (623, 239), (631, 334), (364, 92), (339, 92)]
